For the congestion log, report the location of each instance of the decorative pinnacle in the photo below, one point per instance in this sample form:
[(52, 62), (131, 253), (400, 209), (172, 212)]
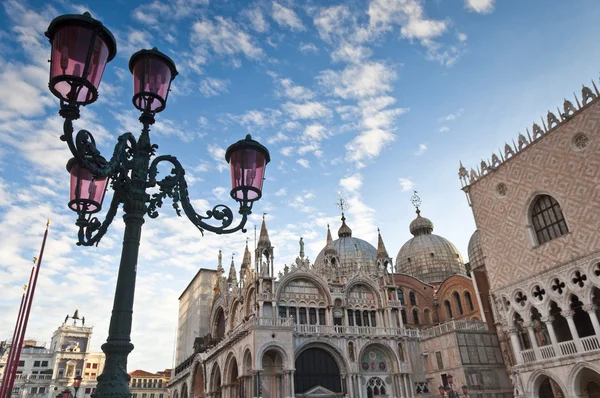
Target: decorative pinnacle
[(416, 201)]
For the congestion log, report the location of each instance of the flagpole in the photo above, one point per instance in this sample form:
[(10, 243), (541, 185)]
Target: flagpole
[(31, 292), (16, 332)]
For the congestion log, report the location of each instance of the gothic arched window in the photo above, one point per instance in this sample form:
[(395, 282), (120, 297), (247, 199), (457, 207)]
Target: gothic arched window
[(547, 219), (401, 296), (416, 316), (458, 302), (412, 298), (404, 318), (469, 301), (448, 309)]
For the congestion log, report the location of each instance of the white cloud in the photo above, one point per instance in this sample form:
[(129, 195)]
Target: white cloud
[(286, 17), (351, 183), (308, 48), (409, 14), (303, 163), (421, 150), (279, 137), (347, 52), (444, 129), (461, 36), (287, 89), (220, 193), (281, 192), (480, 6), (211, 86), (406, 184), (287, 151), (223, 37), (358, 81), (218, 154), (257, 19), (307, 110), (452, 116), (368, 145)]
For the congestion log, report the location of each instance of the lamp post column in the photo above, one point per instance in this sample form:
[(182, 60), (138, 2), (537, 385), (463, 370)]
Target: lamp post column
[(114, 380)]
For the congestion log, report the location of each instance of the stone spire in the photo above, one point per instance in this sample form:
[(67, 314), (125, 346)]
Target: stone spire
[(381, 251), (232, 276), (329, 248), (247, 260), (263, 239)]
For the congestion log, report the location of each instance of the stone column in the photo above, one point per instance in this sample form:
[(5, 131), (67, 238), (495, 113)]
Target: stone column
[(548, 321), (533, 340), (569, 317), (516, 345), (405, 382), (591, 310), (411, 386)]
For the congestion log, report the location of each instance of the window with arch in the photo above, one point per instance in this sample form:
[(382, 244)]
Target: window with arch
[(401, 296), (412, 298), (416, 316), (448, 309), (469, 301), (547, 219), (459, 306), (401, 351), (404, 317), (375, 388)]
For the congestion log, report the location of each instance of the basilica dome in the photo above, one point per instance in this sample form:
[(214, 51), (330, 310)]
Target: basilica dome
[(428, 257), (351, 253), (474, 251)]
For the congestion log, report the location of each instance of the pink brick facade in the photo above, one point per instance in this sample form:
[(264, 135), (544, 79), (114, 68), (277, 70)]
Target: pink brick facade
[(552, 165)]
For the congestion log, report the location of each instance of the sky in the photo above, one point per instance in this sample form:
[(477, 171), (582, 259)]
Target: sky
[(372, 98)]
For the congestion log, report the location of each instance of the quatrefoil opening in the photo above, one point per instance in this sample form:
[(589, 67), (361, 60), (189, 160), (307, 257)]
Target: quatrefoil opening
[(539, 292), (521, 299), (558, 286), (579, 279)]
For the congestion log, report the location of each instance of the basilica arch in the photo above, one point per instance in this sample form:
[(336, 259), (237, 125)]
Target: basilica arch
[(184, 391), (377, 364), (231, 376), (319, 364), (546, 385), (216, 385)]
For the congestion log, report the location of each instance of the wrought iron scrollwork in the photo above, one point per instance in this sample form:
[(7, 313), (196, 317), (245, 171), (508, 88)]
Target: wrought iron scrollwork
[(175, 187)]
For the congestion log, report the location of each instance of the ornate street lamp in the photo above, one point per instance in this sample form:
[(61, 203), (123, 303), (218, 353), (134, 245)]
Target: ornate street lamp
[(450, 391), (81, 48), (76, 384)]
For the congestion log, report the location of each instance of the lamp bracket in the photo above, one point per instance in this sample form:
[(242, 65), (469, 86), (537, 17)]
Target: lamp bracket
[(175, 187)]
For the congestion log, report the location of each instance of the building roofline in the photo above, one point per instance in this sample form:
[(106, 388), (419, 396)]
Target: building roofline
[(588, 98), (193, 279)]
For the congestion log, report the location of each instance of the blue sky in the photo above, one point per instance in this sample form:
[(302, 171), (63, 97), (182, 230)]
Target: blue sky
[(372, 98)]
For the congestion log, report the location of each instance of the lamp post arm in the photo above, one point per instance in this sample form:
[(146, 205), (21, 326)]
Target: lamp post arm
[(175, 187), (91, 230), (83, 148)]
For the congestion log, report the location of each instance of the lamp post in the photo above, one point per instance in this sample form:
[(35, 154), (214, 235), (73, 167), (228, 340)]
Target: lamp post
[(66, 393), (450, 390), (81, 48)]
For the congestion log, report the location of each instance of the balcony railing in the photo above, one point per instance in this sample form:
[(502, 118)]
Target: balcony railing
[(565, 348), (355, 330)]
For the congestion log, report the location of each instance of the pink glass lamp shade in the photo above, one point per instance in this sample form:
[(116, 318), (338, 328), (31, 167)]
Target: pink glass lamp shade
[(442, 390), (247, 160), (81, 48), (153, 73), (65, 394), (450, 379), (465, 390), (87, 190), (77, 382)]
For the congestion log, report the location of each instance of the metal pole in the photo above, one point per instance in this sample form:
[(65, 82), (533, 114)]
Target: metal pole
[(29, 301), (114, 380), (14, 338)]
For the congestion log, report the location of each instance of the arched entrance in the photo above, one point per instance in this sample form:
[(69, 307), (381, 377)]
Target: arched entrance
[(315, 367), (219, 325), (546, 387), (377, 363), (231, 378), (246, 385), (215, 382), (198, 381), (184, 391), (271, 377), (587, 383)]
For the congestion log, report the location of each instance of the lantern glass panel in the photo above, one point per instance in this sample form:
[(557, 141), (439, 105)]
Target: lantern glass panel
[(442, 390), (151, 81), (247, 170), (71, 46), (450, 379), (77, 382), (465, 390), (87, 190)]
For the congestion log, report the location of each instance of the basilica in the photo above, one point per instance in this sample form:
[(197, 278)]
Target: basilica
[(520, 319)]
